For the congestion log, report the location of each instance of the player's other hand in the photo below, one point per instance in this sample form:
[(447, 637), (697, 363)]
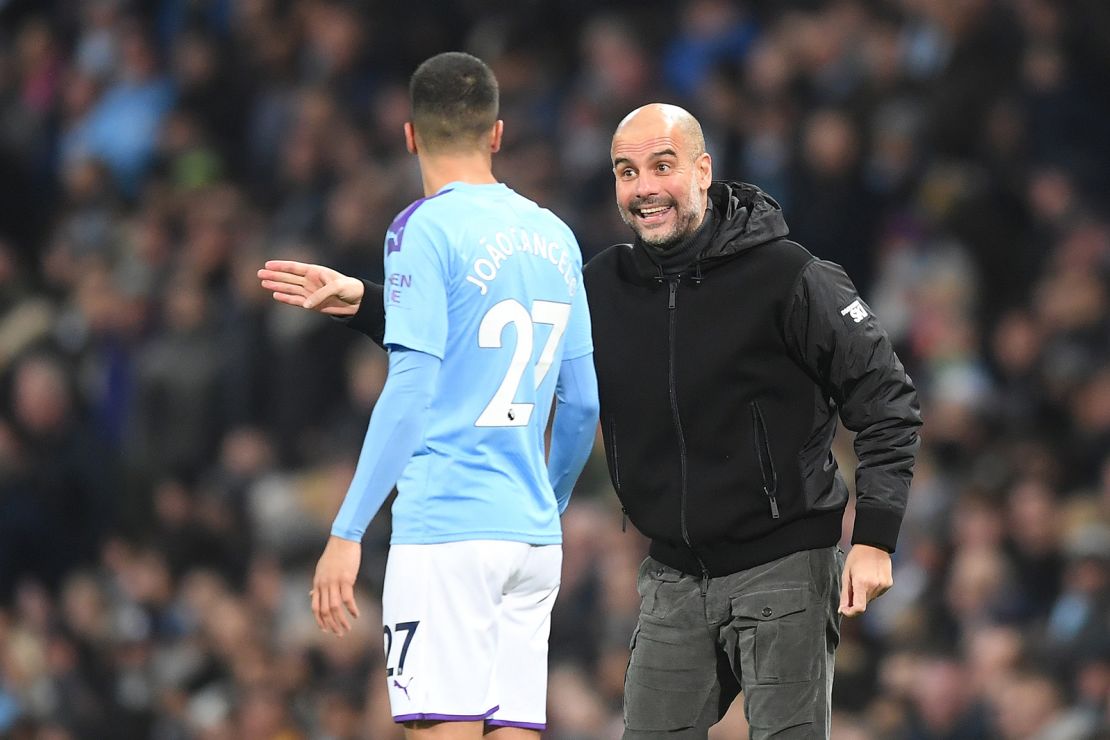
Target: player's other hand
[(333, 587), (867, 576), (314, 287)]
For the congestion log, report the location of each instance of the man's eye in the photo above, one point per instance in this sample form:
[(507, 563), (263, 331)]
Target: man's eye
[(663, 167)]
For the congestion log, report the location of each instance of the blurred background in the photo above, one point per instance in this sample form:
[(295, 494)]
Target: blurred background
[(173, 445)]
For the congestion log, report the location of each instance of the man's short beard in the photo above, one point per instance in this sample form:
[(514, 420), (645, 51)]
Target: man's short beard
[(687, 226), (664, 243)]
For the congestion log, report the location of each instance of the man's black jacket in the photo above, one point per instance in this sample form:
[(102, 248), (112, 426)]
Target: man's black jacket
[(720, 384)]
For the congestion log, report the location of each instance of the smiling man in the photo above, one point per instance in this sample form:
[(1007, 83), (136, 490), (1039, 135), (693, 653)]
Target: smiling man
[(661, 216), (745, 348)]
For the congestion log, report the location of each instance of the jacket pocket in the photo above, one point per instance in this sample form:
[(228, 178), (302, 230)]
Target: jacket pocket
[(614, 456), (762, 441), (817, 468)]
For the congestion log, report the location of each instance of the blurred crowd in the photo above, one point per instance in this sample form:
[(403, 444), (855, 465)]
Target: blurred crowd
[(173, 444)]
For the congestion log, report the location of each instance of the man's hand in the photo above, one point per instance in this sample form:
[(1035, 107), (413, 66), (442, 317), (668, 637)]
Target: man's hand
[(314, 287), (333, 587), (867, 576)]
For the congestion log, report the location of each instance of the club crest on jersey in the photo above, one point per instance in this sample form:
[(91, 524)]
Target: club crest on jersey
[(855, 310)]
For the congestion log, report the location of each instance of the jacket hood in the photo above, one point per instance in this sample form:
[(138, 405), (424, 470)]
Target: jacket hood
[(747, 217)]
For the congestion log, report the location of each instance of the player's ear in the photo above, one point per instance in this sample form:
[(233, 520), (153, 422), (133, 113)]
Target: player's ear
[(495, 136), (410, 137)]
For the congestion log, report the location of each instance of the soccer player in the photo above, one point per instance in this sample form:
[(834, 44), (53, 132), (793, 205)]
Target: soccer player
[(486, 321)]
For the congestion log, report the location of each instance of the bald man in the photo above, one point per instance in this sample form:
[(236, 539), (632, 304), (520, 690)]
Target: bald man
[(724, 354)]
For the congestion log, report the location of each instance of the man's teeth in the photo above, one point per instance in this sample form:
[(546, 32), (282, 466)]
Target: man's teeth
[(653, 210)]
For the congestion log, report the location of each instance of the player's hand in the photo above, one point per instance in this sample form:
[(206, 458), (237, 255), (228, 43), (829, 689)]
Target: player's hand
[(314, 287), (333, 587), (867, 576)]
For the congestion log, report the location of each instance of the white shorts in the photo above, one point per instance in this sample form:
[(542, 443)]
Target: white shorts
[(466, 628)]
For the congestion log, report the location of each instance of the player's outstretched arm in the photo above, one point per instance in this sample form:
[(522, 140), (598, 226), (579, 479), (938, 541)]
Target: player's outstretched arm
[(314, 287), (574, 427), (319, 288), (396, 430)]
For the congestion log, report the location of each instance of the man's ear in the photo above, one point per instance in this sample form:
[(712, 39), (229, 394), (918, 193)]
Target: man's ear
[(495, 136), (703, 166), (410, 138)]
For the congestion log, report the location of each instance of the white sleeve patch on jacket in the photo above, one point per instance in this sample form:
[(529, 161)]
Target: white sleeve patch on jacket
[(855, 310)]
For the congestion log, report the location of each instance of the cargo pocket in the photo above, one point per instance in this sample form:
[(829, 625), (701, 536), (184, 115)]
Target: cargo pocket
[(786, 644), (780, 641), (775, 708), (666, 687)]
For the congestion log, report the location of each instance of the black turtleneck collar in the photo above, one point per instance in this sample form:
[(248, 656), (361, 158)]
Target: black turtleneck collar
[(674, 259)]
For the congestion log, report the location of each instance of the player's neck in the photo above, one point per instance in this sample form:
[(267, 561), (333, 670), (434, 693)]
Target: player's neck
[(474, 169)]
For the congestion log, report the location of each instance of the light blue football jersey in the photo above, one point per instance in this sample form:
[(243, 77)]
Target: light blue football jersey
[(490, 283)]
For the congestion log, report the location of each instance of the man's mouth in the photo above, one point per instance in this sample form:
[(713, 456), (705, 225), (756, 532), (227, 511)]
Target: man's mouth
[(652, 214)]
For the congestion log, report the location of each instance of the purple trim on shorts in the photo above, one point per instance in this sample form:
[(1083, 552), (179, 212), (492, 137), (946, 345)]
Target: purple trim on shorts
[(444, 717), (521, 725)]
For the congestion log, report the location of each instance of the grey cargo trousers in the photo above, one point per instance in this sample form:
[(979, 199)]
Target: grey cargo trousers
[(769, 631)]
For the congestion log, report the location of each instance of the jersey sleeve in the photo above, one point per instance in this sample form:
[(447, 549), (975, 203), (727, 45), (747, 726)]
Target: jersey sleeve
[(579, 338), (417, 271), (396, 430), (572, 432)]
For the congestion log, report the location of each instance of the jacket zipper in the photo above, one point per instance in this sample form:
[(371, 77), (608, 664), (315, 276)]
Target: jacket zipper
[(672, 306), (763, 448), (616, 458)]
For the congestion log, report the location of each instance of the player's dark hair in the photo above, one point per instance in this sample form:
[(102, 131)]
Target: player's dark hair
[(454, 101)]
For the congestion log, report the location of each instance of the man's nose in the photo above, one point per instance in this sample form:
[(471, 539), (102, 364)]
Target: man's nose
[(646, 185)]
